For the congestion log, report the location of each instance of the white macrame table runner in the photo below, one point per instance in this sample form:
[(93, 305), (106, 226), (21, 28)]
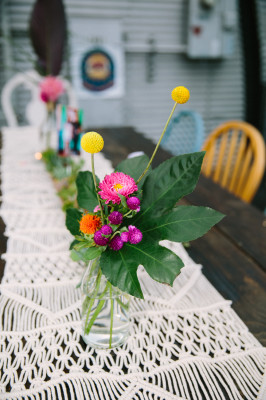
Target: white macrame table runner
[(186, 342)]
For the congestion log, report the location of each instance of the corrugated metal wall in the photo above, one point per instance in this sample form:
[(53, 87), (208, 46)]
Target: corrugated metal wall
[(154, 37)]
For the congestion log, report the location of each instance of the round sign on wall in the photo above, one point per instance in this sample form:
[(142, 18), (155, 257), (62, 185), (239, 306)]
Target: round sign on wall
[(97, 70)]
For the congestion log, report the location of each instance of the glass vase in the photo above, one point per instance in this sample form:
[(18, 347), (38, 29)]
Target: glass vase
[(48, 128), (105, 310)]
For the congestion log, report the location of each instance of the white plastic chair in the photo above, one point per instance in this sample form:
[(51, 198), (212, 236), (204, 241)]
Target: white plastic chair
[(35, 109)]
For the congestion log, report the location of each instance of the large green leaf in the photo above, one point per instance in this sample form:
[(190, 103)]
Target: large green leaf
[(169, 182), (161, 263), (87, 197), (120, 267), (183, 224), (134, 167), (121, 271), (73, 216)]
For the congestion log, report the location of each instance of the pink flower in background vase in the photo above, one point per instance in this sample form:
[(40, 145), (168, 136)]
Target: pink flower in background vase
[(51, 89)]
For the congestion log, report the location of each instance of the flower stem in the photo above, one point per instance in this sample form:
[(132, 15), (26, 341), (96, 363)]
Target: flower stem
[(95, 315), (92, 299), (88, 326), (157, 146), (95, 185), (112, 316)]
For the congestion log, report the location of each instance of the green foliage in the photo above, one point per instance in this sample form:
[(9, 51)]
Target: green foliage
[(121, 271), (64, 172), (73, 216), (182, 224), (168, 183), (87, 197), (86, 254)]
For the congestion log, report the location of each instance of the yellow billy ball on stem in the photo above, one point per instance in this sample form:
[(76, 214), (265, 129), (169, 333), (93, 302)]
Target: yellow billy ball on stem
[(92, 142), (180, 95)]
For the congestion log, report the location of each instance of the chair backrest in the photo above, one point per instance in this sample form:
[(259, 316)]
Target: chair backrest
[(35, 110), (184, 134), (235, 158)]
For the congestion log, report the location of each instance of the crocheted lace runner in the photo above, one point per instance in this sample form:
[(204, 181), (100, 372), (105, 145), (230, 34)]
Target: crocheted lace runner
[(186, 342)]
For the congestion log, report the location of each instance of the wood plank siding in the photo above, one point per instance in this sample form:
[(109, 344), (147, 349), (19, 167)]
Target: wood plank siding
[(154, 37)]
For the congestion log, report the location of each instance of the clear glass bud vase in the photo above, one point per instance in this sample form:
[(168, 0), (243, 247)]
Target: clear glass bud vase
[(48, 128), (105, 310)]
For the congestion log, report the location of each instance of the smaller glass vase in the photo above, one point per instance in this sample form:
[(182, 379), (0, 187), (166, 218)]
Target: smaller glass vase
[(105, 310), (48, 127)]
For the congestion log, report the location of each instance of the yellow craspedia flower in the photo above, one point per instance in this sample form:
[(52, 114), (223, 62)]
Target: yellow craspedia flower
[(180, 94), (92, 142)]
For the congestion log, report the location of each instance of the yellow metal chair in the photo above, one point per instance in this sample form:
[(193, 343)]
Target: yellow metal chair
[(235, 158)]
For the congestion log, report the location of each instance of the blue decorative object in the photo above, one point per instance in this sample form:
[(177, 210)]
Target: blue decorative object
[(185, 133)]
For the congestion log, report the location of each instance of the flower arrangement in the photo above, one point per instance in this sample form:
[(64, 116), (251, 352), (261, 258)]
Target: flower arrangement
[(122, 219), (119, 224), (51, 89)]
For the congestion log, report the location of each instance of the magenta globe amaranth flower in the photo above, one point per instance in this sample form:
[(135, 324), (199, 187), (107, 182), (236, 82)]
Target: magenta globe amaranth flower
[(102, 236), (125, 236), (115, 184), (135, 235), (99, 239), (116, 243), (133, 203), (116, 218), (106, 230)]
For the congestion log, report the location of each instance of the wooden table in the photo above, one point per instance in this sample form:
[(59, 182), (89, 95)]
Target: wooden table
[(233, 253)]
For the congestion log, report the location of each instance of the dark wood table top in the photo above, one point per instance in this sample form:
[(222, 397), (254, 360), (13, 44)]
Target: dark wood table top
[(233, 253)]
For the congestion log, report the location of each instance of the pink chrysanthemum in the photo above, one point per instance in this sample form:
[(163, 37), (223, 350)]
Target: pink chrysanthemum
[(51, 88), (114, 184)]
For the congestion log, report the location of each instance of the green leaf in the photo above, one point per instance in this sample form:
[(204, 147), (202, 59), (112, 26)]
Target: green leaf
[(120, 267), (161, 263), (93, 252), (86, 254), (75, 255), (121, 271), (123, 200), (134, 167), (183, 224), (169, 182), (73, 216), (73, 244), (87, 197)]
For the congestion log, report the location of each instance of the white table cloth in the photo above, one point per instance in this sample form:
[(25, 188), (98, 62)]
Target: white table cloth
[(186, 342)]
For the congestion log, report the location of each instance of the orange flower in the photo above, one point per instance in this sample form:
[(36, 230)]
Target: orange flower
[(89, 223)]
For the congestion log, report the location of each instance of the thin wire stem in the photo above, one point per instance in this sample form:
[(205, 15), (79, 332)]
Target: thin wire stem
[(157, 146)]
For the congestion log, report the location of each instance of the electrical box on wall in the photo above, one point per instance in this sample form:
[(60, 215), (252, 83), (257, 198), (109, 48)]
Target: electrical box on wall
[(211, 28)]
